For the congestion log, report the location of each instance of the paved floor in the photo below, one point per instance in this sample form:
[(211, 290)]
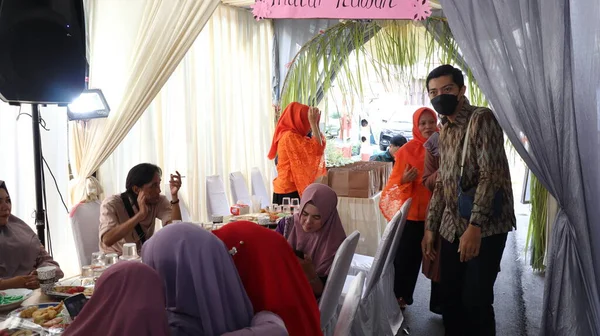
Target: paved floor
[(518, 291)]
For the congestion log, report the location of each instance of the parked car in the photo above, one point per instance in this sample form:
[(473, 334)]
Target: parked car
[(398, 123)]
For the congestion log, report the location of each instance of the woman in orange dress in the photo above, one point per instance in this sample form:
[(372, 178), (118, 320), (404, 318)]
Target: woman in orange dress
[(406, 182), (299, 157)]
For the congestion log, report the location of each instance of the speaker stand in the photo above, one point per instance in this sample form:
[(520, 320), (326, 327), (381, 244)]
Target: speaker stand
[(40, 212)]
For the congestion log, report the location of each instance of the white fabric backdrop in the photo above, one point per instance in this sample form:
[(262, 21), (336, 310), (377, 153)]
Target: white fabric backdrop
[(134, 46), (16, 153), (213, 116)]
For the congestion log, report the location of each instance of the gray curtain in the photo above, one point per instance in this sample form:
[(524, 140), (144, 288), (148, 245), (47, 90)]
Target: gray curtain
[(290, 36), (537, 61)]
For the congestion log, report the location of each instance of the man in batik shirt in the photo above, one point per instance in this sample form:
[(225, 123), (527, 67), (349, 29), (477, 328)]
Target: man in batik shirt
[(471, 247)]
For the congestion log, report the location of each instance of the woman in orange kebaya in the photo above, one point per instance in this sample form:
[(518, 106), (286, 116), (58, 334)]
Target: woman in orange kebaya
[(300, 157), (406, 182)]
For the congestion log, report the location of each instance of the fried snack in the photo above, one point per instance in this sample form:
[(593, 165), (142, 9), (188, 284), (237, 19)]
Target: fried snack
[(28, 313), (53, 322), (41, 316)]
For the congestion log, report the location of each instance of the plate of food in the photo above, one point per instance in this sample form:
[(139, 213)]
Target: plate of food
[(48, 315), (12, 298), (62, 291)]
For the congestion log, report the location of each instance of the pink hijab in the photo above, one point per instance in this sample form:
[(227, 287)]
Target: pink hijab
[(321, 245), (129, 300)]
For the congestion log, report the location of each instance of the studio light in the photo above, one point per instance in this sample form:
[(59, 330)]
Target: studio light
[(91, 104)]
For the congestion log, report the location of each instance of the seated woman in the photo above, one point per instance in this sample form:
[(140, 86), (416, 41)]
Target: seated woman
[(272, 276), (203, 289), (21, 252), (128, 300), (315, 233), (299, 157)]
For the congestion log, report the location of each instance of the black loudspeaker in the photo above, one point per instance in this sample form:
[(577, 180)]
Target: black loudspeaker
[(42, 51)]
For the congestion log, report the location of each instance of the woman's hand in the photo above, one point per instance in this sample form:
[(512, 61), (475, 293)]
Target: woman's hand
[(314, 116), (410, 174), (308, 267), (175, 185), (23, 281)]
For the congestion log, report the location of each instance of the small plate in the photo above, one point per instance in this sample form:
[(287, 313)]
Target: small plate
[(26, 293)]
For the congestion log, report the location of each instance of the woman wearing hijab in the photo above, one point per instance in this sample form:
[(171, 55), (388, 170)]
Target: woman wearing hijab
[(21, 252), (129, 300), (272, 276), (203, 289), (406, 182), (299, 157), (315, 233)]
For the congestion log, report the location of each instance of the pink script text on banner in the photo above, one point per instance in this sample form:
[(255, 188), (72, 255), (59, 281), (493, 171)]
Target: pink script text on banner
[(342, 9)]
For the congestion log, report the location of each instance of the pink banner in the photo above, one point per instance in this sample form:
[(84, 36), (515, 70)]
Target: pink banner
[(342, 9)]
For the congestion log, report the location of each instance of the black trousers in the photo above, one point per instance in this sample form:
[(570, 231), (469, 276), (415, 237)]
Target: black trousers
[(278, 198), (407, 263), (435, 299), (468, 288)]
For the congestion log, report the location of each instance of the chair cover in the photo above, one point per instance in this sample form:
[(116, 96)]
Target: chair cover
[(335, 283), (377, 315), (85, 223), (258, 187), (350, 306), (216, 199), (362, 263), (185, 214), (239, 188)]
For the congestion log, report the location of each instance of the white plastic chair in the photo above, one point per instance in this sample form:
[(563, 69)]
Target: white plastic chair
[(239, 188), (85, 223), (350, 306), (362, 263), (335, 282), (216, 198), (259, 187)]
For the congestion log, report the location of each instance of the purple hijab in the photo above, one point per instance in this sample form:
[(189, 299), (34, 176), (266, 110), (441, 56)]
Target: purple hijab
[(321, 245), (204, 293), (129, 300)]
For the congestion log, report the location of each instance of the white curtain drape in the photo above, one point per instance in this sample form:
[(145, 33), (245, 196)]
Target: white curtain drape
[(213, 116), (134, 46), (16, 153)]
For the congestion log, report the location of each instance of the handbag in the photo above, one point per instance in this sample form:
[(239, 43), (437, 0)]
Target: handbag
[(466, 198)]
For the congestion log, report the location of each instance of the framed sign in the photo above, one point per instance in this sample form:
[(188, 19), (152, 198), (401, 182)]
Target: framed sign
[(342, 9)]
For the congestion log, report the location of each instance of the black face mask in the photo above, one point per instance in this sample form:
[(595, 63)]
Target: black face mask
[(445, 104)]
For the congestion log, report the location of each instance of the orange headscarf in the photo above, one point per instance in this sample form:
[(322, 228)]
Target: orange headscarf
[(294, 118), (394, 194), (414, 148)]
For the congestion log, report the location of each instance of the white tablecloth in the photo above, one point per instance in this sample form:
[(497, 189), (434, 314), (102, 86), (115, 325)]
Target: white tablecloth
[(363, 214)]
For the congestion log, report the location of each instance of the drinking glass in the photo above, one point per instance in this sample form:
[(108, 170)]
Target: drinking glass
[(98, 259), (295, 205), (286, 205)]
